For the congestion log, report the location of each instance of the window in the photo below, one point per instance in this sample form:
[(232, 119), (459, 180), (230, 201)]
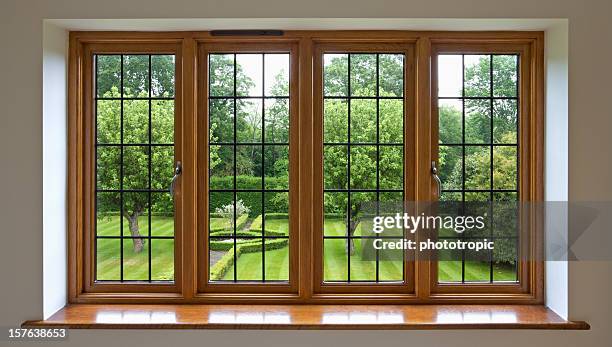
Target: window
[(280, 149)]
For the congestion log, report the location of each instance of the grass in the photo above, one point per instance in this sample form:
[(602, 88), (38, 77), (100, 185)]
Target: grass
[(135, 265), (249, 265)]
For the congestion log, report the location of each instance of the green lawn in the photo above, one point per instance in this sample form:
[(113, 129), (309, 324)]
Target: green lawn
[(135, 265), (249, 265)]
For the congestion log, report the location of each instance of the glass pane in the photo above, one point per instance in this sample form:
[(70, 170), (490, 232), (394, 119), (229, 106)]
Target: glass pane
[(505, 81), (276, 120), (504, 167), (108, 214), (162, 121), (276, 215), (162, 215), (248, 167), (221, 120), (108, 76), (162, 265), (487, 107), (249, 264), (363, 265), (505, 260), (136, 121), (221, 210), (277, 259), (136, 76), (249, 120), (135, 259), (449, 265), (249, 163), (391, 167), (478, 167), (276, 74), (135, 167), (335, 260), (108, 259), (221, 76), (450, 119), (505, 120), (375, 108), (135, 215), (391, 121), (335, 74), (477, 266), (363, 121), (391, 79), (478, 121), (108, 121), (108, 167), (162, 76), (363, 167), (363, 74), (221, 167), (162, 166), (477, 77), (335, 208), (335, 121), (276, 167), (135, 171), (450, 75), (249, 74), (335, 166), (451, 167)]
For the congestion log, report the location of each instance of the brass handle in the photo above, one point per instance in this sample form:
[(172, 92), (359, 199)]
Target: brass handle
[(434, 172), (177, 172)]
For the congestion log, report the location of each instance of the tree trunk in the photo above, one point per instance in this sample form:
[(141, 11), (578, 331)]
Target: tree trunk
[(134, 231), (350, 243)]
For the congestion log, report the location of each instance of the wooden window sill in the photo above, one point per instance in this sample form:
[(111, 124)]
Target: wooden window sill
[(325, 317)]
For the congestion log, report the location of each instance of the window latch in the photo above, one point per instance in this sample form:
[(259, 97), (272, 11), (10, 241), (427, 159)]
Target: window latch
[(434, 173), (177, 172)]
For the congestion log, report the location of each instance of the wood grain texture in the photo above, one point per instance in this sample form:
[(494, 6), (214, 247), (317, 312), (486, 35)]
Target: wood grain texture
[(305, 287), (308, 317)]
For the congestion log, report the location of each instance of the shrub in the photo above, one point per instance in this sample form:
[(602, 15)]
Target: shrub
[(218, 271), (240, 223)]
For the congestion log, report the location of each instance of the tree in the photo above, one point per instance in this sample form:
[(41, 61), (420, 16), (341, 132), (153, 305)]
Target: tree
[(135, 131), (363, 126)]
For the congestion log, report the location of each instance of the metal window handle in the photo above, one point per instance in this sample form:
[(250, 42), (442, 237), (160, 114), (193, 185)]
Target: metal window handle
[(434, 172), (177, 172)]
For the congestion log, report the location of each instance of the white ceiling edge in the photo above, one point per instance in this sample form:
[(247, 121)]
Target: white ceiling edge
[(196, 24)]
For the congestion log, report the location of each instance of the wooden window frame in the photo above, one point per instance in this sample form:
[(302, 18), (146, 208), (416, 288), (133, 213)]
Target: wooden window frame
[(190, 285)]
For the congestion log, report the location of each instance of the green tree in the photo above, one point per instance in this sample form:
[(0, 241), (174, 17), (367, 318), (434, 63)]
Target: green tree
[(363, 130), (135, 131)]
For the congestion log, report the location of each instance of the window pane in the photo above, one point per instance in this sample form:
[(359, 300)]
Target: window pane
[(136, 76), (363, 145), (162, 121), (162, 76), (450, 75), (276, 74), (249, 168), (505, 72), (108, 75), (133, 211), (249, 70), (477, 76), (335, 74), (482, 164)]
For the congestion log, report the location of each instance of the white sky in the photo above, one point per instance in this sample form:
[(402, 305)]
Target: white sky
[(252, 65), (450, 72)]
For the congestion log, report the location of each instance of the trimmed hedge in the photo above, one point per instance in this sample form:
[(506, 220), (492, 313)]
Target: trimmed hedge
[(241, 221), (227, 261), (275, 202)]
